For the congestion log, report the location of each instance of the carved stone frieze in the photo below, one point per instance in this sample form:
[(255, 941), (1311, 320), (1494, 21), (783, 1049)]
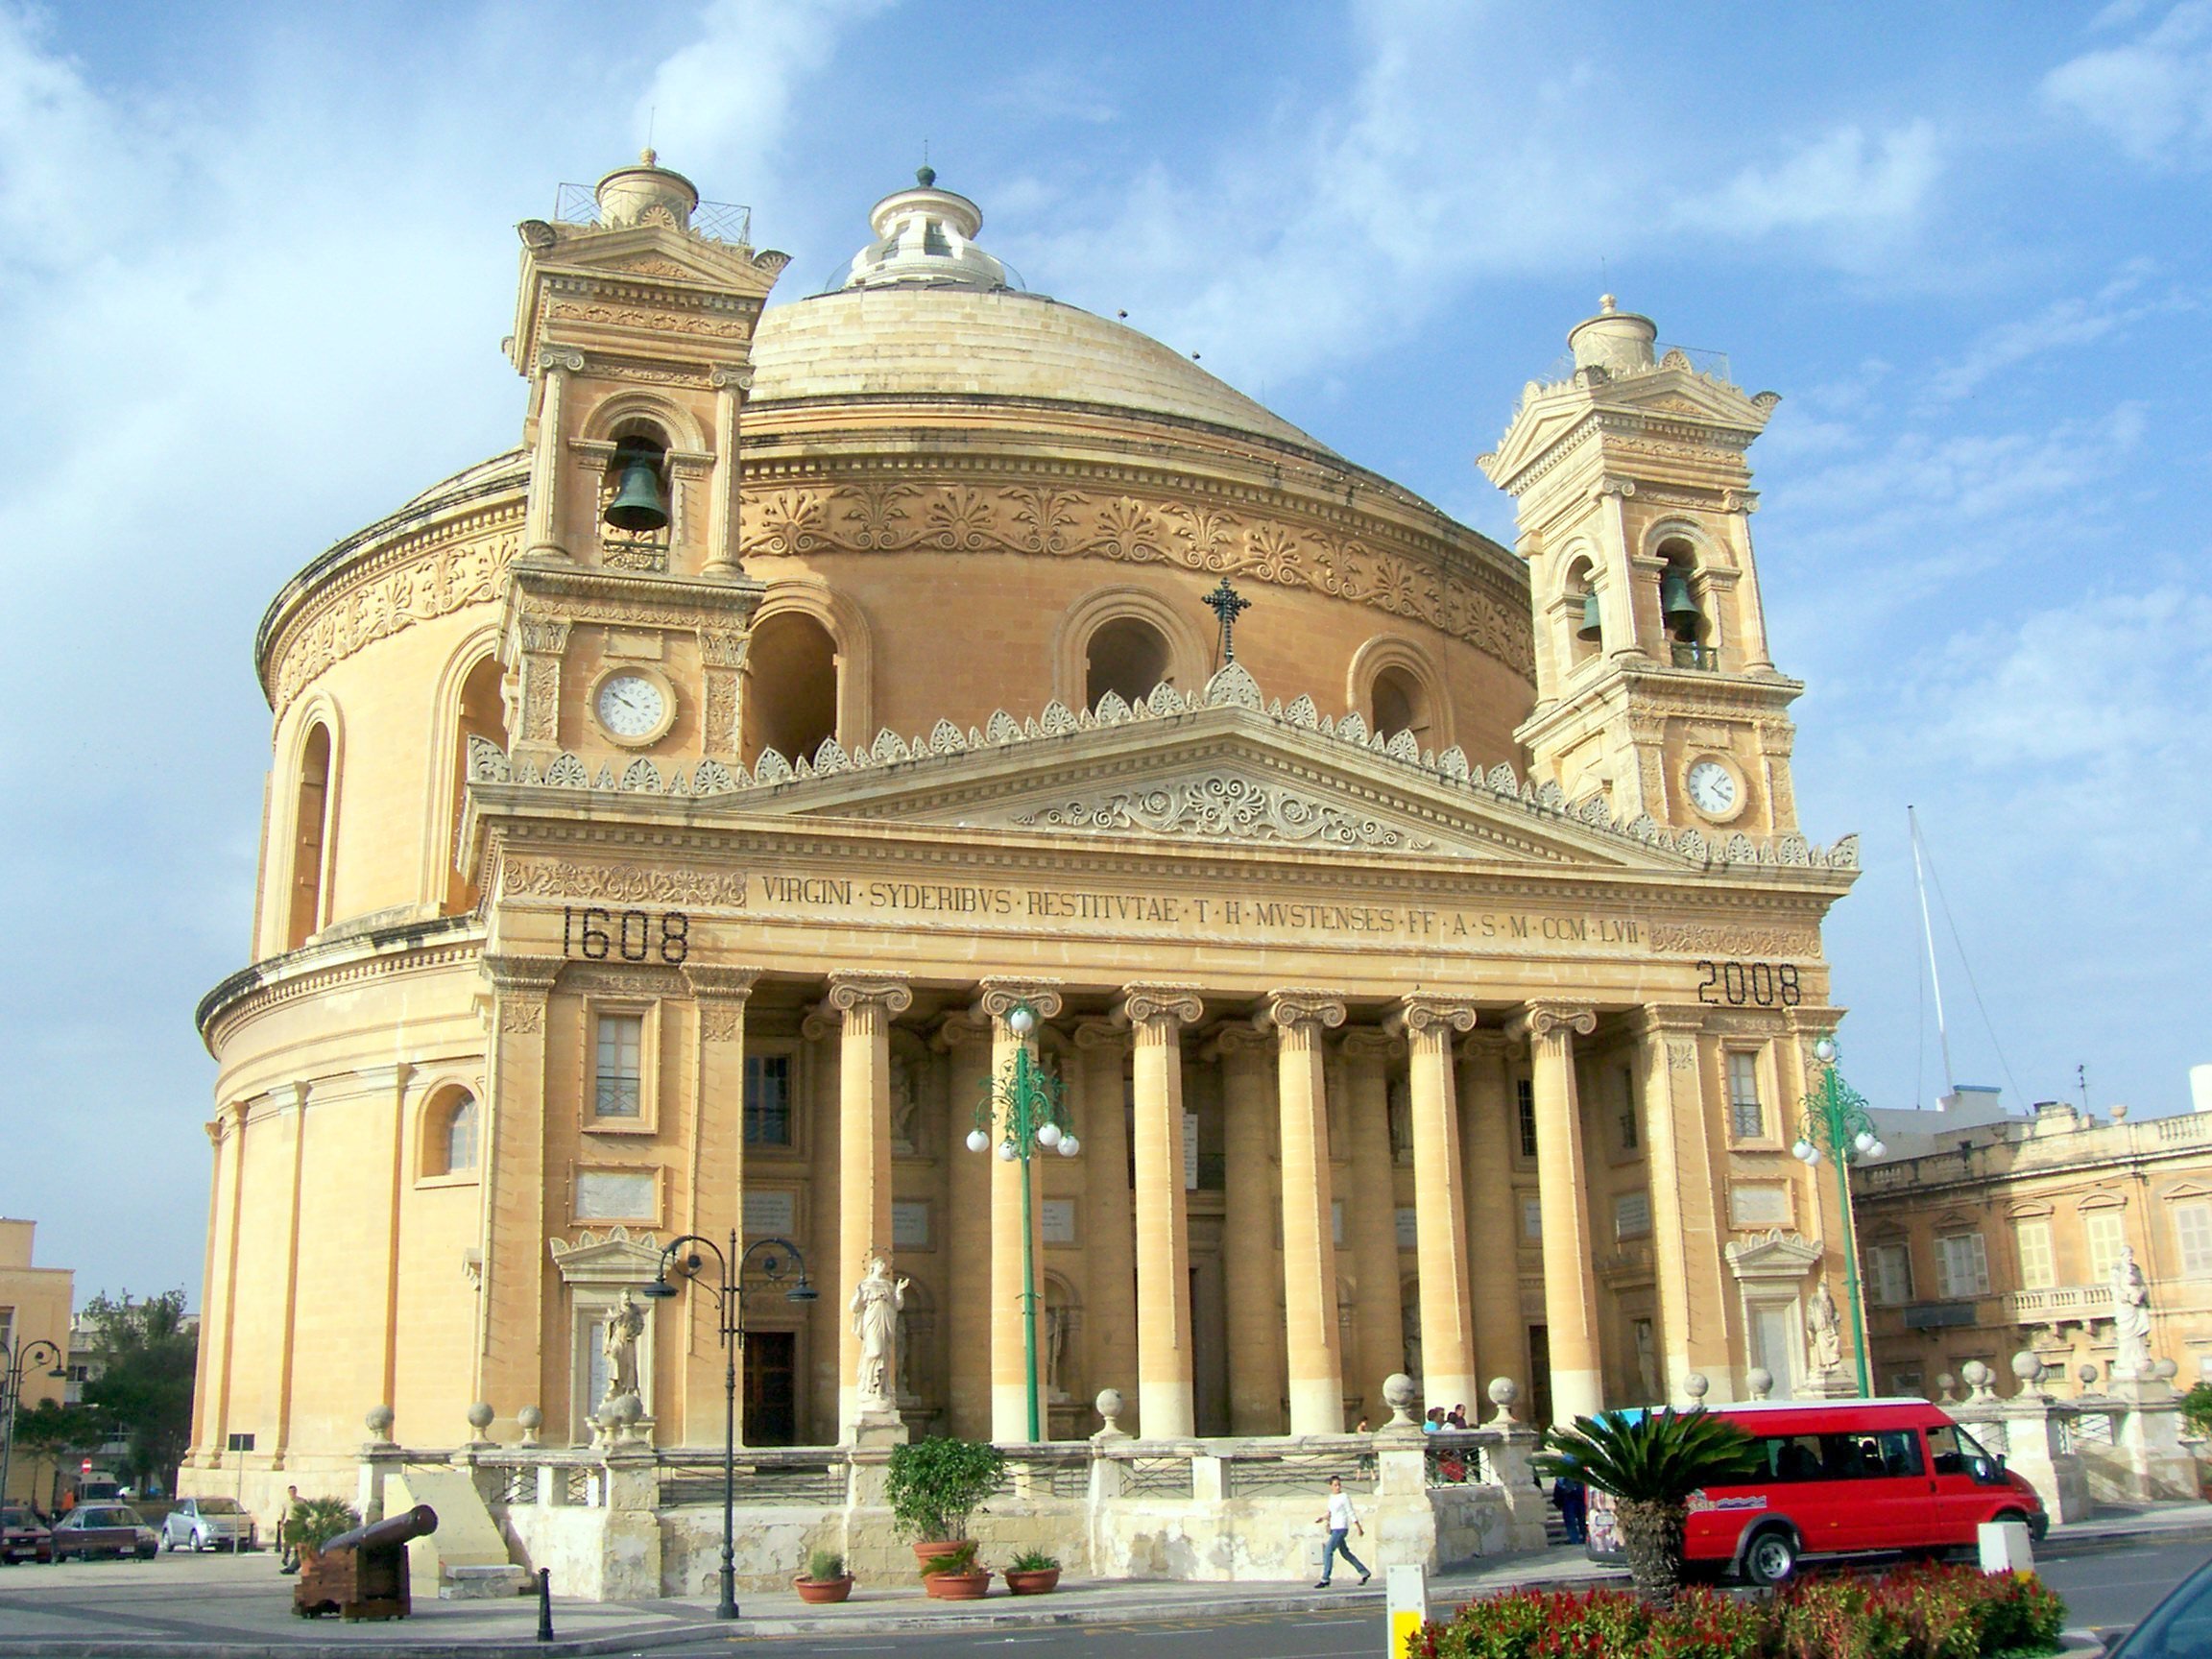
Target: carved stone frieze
[(1134, 529), (625, 883), (1768, 941), (1230, 808)]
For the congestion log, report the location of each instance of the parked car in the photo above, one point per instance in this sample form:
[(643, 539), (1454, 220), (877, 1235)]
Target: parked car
[(208, 1524), (23, 1536), (2178, 1628), (1842, 1477), (105, 1529)]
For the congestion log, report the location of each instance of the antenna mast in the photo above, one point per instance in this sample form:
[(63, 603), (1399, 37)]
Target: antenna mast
[(1927, 932)]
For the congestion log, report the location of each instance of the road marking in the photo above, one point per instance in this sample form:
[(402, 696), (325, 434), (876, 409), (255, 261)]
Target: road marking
[(1315, 1624)]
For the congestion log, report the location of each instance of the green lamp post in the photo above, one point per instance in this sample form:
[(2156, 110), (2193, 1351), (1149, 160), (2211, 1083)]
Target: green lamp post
[(1836, 1123), (1026, 1109)]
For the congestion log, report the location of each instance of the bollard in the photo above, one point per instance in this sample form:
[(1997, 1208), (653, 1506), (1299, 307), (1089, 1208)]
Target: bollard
[(544, 1603), (1406, 1597), (2005, 1548)]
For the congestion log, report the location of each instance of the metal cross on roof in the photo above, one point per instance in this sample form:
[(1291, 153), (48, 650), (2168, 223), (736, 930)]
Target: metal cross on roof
[(1226, 603)]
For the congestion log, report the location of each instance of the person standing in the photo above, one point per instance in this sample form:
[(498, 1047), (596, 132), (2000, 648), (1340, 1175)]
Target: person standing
[(1340, 1519), (287, 1546)]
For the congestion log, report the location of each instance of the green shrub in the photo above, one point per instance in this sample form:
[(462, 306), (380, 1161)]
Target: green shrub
[(825, 1565), (1034, 1561), (933, 1485), (314, 1522), (960, 1560), (1926, 1612), (2196, 1407)]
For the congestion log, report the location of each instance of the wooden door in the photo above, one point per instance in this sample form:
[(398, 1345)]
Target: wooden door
[(771, 1403)]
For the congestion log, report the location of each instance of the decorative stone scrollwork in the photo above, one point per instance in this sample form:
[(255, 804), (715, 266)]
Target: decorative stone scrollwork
[(1424, 1015), (866, 999), (1545, 1020), (1142, 1003), (1000, 995), (1287, 1010), (1229, 807)]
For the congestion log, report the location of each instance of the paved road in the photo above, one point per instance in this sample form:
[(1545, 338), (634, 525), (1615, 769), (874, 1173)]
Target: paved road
[(2107, 1590)]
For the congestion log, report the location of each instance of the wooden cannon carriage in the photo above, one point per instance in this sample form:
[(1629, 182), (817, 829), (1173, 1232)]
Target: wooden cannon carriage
[(362, 1573)]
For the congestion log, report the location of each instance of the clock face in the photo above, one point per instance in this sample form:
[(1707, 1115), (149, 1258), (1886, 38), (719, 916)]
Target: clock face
[(630, 705), (1712, 788)]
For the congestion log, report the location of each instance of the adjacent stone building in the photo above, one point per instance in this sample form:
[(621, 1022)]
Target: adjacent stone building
[(34, 1305), (1985, 1235), (665, 819)]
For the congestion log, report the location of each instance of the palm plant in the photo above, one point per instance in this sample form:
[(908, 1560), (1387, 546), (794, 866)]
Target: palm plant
[(1649, 1464)]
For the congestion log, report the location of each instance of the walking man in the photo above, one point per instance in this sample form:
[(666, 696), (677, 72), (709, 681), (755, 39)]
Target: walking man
[(1340, 1519), (288, 1545)]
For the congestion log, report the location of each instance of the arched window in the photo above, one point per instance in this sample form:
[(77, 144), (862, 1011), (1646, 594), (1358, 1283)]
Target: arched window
[(312, 837), (790, 687), (481, 715), (450, 1130), (1586, 632), (1126, 656), (1401, 703)]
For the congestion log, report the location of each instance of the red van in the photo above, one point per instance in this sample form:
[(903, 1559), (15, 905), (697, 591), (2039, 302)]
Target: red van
[(1840, 1478)]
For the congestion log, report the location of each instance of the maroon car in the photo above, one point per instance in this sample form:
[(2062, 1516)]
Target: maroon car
[(105, 1529), (23, 1536)]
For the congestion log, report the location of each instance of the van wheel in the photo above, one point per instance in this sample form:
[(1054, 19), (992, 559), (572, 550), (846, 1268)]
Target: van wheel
[(1772, 1558)]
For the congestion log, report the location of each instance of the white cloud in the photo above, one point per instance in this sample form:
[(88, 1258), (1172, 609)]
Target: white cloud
[(2153, 96), (1848, 180)]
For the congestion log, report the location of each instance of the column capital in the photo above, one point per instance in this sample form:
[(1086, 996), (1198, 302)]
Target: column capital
[(1366, 1042), (523, 976), (1815, 1022), (1098, 1034), (961, 1026), (1235, 1037), (1144, 1003), (713, 980), (1430, 1012), (886, 994), (1542, 1020), (1486, 1043), (999, 997), (1676, 1019), (1290, 1009)]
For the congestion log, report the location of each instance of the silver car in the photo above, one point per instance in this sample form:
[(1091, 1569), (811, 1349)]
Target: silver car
[(208, 1524)]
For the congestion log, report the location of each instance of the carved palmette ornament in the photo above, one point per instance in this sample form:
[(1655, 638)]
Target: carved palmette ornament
[(1230, 808)]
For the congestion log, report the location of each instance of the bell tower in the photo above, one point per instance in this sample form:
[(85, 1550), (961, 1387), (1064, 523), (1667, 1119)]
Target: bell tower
[(1654, 683), (628, 614)]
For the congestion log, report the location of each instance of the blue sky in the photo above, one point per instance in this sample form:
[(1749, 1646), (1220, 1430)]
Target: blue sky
[(255, 264)]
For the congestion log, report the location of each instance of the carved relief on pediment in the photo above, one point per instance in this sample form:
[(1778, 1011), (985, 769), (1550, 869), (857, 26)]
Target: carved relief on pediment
[(1232, 808)]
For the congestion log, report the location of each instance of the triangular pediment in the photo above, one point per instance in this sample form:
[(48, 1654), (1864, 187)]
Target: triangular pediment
[(1670, 391), (654, 253)]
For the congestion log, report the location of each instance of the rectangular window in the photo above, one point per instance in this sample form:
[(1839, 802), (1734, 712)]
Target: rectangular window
[(1632, 1215), (1889, 1270), (617, 1074), (1525, 1093), (2193, 1232), (1627, 1109), (2106, 1231), (767, 1099), (2038, 1267), (1746, 1117), (1963, 1265)]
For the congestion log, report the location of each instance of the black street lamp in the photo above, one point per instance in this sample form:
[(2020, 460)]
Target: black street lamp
[(780, 1259), (20, 1358)]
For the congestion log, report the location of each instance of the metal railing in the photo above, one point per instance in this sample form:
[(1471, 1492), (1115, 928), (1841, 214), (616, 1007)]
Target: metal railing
[(728, 221), (1308, 1473), (1688, 654)]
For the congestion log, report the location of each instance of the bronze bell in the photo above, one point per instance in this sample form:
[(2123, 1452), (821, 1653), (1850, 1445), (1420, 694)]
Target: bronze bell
[(1676, 605), (637, 504), (1591, 630)]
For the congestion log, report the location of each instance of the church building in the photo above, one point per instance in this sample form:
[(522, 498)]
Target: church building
[(678, 824)]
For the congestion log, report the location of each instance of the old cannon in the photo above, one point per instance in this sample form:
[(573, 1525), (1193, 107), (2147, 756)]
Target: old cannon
[(362, 1573)]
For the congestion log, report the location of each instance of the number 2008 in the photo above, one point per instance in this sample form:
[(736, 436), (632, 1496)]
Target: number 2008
[(630, 935), (1734, 984)]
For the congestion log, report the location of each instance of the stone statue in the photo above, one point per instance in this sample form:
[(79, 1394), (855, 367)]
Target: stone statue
[(619, 1347), (905, 1099), (903, 1345), (877, 1303), (1056, 1351), (2130, 1316), (1824, 1333)]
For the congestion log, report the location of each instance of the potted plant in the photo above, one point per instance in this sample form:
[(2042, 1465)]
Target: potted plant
[(825, 1580), (313, 1522), (933, 1486), (1033, 1573), (953, 1575), (1651, 1465)]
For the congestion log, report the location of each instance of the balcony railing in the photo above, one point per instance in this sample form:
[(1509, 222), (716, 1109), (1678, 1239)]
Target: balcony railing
[(1688, 654)]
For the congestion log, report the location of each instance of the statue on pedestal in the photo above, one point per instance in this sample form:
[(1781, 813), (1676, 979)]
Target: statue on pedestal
[(619, 1345), (2131, 1317), (1823, 1329), (878, 1301)]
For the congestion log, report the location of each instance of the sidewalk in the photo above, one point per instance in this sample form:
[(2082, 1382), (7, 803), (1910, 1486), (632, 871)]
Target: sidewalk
[(192, 1605)]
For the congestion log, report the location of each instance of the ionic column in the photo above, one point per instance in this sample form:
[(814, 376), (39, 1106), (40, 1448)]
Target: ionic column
[(965, 1289), (1315, 1360), (1009, 1354), (1440, 1206), (714, 1201), (1157, 1014), (731, 384), (1252, 1277), (1686, 1231), (511, 1360), (214, 1438), (1569, 1280), (869, 1003), (540, 529), (1493, 1220), (1371, 1228)]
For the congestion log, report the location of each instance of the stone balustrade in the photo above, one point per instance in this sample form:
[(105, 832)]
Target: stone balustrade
[(2120, 1447)]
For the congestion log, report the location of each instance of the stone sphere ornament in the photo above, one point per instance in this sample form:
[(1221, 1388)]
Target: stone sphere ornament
[(1696, 1386), (530, 1420), (480, 1417), (1761, 1381), (2027, 1366), (2164, 1370), (1400, 1394), (2088, 1375), (1504, 1393), (380, 1420), (1111, 1406)]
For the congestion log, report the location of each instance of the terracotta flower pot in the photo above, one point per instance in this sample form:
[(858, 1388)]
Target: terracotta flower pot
[(821, 1592), (936, 1549), (958, 1586), (1036, 1583)]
